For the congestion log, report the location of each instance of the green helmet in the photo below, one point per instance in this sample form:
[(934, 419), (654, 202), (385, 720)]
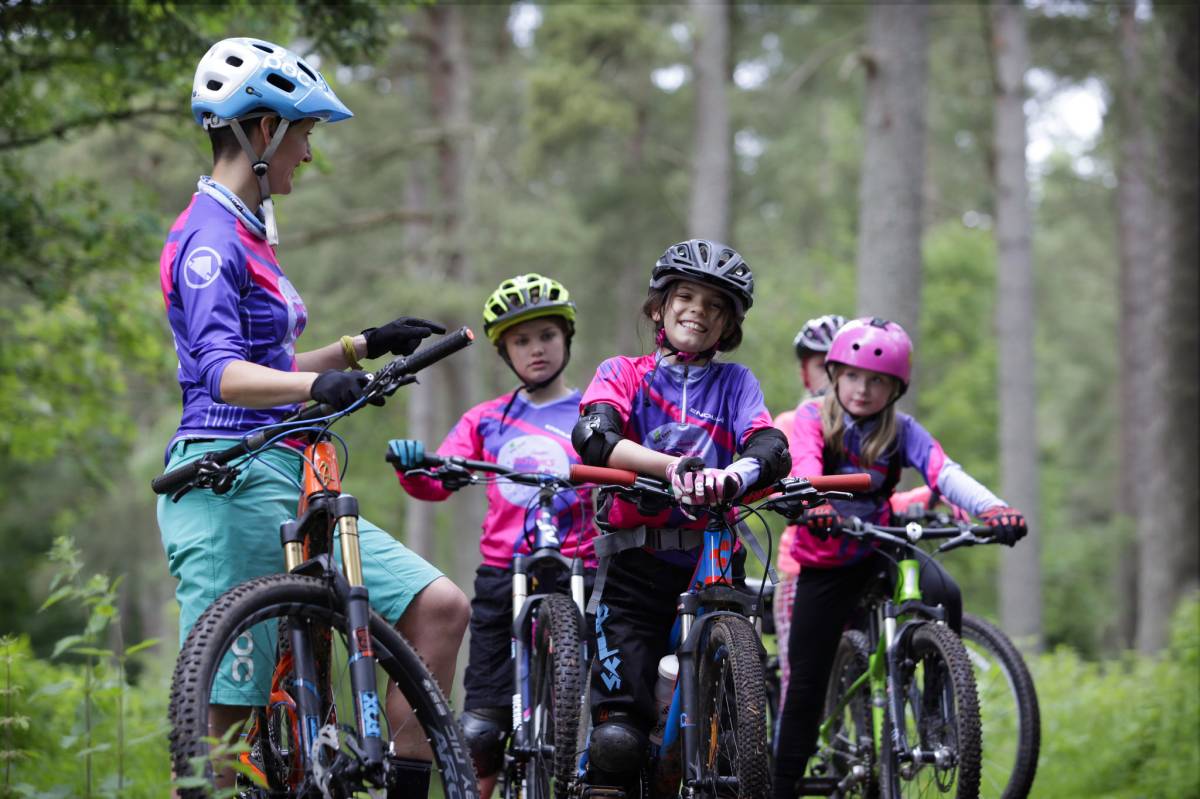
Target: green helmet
[(526, 297)]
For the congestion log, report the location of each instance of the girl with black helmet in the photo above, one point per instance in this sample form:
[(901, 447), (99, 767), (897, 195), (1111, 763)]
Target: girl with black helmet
[(654, 414), (531, 320)]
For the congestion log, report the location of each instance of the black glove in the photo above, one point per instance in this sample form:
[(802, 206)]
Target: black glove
[(823, 521), (1007, 524), (340, 389), (400, 336)]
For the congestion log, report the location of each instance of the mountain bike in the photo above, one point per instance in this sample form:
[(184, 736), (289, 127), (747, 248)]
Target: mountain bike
[(323, 638), (549, 647), (714, 742), (901, 711)]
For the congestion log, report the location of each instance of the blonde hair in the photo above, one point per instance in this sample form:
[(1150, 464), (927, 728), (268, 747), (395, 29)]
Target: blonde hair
[(833, 425)]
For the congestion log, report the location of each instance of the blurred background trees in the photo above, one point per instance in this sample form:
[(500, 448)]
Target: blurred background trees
[(915, 162)]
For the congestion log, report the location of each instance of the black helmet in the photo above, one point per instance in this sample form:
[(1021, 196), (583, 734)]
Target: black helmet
[(708, 262)]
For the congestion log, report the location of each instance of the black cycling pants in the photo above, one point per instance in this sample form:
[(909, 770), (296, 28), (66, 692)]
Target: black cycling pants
[(825, 602)]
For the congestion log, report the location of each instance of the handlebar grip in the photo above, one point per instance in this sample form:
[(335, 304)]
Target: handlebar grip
[(853, 483), (172, 481), (581, 473), (450, 344)]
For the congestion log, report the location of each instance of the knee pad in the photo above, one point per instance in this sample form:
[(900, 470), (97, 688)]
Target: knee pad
[(617, 747), (485, 729)]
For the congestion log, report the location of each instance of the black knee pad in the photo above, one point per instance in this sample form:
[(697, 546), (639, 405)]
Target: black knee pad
[(617, 747), (485, 729)]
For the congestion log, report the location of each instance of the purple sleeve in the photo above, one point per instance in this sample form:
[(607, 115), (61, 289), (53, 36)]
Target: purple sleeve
[(210, 280), (922, 451), (615, 383)]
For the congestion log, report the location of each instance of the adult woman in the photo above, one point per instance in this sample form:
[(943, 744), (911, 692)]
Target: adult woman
[(235, 318)]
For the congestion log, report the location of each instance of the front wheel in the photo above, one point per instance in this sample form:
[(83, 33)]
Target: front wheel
[(236, 646), (940, 714), (733, 719), (1008, 710), (557, 690)]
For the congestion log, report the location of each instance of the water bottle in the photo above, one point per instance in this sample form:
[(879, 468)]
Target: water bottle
[(664, 690)]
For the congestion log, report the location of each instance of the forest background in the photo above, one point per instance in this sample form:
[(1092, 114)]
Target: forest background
[(863, 163)]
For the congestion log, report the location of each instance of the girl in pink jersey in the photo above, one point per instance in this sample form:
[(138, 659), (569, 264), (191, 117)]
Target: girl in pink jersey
[(854, 428), (531, 320), (649, 414)]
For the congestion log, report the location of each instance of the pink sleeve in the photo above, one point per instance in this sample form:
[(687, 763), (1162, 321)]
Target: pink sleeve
[(615, 384), (463, 440), (806, 441)]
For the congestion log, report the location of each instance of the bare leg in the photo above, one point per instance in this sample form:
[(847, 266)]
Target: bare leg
[(486, 786), (434, 623)]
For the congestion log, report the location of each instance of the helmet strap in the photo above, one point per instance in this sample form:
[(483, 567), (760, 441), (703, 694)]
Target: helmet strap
[(260, 164), (661, 340)]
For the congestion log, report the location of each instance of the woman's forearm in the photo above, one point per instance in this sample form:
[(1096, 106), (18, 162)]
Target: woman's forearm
[(331, 356), (249, 385)]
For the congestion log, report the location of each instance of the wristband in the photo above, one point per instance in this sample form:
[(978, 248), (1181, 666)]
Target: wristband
[(349, 354)]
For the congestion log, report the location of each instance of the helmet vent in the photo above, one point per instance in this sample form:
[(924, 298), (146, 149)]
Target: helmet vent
[(878, 352), (724, 259), (535, 294), (703, 248), (856, 346), (306, 70), (213, 85), (281, 83), (264, 48), (233, 61)]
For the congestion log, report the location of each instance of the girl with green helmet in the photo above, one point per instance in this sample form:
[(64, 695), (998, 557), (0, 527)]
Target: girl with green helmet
[(530, 319)]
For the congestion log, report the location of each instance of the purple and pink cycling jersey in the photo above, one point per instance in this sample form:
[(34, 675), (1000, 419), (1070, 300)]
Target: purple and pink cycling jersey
[(919, 450), (227, 300), (532, 438), (707, 411)]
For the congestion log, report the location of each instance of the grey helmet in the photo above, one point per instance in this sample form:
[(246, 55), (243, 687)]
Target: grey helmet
[(708, 262), (817, 335)]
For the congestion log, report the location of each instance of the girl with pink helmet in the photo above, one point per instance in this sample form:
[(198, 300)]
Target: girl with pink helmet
[(855, 427)]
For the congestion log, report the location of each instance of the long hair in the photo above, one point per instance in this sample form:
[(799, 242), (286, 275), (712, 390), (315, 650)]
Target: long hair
[(833, 425)]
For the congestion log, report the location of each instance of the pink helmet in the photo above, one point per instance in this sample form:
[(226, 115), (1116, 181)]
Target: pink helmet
[(875, 344)]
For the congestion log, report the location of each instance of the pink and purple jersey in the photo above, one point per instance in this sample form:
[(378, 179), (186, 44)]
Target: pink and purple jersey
[(532, 438), (707, 411), (917, 449), (227, 300)]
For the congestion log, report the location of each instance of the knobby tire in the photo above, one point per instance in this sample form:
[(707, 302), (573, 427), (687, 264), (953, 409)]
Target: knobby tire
[(851, 740), (558, 680), (284, 597)]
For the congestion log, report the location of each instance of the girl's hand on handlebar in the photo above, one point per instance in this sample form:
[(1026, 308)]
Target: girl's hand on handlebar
[(823, 521), (340, 389), (406, 453), (1007, 524), (695, 484)]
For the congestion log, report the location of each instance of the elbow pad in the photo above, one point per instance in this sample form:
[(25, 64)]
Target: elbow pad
[(596, 433), (770, 447)]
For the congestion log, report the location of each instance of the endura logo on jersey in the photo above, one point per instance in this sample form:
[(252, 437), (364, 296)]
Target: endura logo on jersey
[(529, 454), (201, 268), (609, 658)]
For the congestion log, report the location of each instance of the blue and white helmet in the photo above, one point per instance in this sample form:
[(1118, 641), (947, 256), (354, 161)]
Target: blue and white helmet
[(239, 75)]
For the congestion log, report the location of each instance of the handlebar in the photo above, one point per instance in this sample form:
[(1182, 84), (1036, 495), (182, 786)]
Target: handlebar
[(384, 382), (956, 534)]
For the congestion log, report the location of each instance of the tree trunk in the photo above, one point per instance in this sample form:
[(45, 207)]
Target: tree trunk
[(1020, 570), (712, 160), (1167, 541), (1140, 239), (893, 169)]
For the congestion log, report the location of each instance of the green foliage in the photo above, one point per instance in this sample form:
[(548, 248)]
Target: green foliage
[(1123, 728)]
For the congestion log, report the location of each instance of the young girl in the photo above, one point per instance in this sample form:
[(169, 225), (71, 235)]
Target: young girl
[(855, 427), (811, 345), (647, 414), (531, 320)]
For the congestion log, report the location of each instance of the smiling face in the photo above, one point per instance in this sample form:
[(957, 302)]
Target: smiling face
[(863, 392), (293, 151), (536, 348), (694, 316)]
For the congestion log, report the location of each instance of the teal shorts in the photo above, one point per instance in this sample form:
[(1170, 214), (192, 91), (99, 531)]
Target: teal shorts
[(215, 542)]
